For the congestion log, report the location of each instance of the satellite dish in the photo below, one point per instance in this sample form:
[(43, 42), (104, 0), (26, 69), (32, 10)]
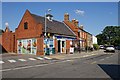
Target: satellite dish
[(6, 24)]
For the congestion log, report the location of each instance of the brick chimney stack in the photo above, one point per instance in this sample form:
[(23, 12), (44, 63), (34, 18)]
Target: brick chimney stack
[(66, 17), (76, 23), (73, 21), (81, 26)]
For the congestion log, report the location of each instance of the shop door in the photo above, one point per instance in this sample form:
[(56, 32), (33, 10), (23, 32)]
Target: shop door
[(59, 46)]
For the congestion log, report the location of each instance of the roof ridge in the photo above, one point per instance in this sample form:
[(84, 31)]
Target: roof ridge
[(44, 17)]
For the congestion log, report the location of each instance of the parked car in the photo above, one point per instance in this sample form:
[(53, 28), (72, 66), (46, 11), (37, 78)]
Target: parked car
[(117, 47), (101, 47), (110, 48)]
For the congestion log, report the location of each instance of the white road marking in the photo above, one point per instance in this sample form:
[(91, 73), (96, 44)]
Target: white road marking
[(12, 61), (93, 54), (47, 57), (1, 62), (22, 67), (93, 62), (33, 66), (22, 60), (85, 55), (5, 70), (102, 59), (32, 59), (40, 58), (69, 60)]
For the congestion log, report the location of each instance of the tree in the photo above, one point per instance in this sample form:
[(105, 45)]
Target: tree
[(110, 36)]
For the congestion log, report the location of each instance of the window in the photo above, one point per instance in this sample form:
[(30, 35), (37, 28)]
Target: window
[(25, 25)]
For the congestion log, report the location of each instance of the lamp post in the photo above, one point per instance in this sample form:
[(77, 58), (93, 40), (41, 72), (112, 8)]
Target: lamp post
[(46, 29), (79, 40), (46, 21)]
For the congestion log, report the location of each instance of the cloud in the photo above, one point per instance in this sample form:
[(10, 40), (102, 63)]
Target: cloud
[(79, 12)]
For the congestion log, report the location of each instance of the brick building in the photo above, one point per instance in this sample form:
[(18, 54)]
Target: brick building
[(29, 38), (84, 38)]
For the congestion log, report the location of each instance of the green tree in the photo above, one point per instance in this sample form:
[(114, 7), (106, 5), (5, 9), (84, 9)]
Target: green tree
[(110, 36)]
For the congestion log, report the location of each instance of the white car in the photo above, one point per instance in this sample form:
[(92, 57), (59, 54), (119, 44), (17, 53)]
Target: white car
[(110, 48)]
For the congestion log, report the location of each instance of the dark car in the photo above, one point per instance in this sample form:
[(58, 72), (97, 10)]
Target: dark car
[(117, 47)]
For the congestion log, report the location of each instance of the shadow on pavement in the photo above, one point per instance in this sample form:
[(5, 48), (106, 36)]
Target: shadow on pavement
[(112, 70)]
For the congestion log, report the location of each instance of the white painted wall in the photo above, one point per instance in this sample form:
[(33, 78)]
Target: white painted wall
[(94, 39)]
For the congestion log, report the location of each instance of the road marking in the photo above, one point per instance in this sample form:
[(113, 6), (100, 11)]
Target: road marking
[(40, 58), (32, 59), (93, 54), (25, 67), (5, 70), (102, 59), (12, 61), (47, 57), (93, 62), (69, 60), (1, 62), (22, 67), (86, 55), (41, 65), (22, 60)]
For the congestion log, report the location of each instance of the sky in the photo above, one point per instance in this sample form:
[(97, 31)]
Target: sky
[(94, 16)]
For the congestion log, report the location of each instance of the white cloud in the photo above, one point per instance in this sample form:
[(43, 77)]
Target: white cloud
[(79, 12)]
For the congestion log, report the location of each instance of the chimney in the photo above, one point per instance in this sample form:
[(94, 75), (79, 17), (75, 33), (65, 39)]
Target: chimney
[(81, 26), (76, 23), (73, 21), (66, 17), (49, 17)]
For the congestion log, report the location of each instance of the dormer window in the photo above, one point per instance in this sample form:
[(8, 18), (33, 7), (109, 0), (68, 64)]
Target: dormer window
[(25, 25)]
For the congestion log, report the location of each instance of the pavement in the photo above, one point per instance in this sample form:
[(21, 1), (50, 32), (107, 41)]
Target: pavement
[(78, 55), (13, 57)]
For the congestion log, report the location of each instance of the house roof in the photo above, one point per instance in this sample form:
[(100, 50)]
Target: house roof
[(54, 26)]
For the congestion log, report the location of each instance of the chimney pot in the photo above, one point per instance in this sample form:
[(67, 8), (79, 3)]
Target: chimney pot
[(76, 22), (81, 26)]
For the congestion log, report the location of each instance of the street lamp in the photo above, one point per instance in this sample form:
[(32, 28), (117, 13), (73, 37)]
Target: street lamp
[(79, 40), (46, 29), (45, 20)]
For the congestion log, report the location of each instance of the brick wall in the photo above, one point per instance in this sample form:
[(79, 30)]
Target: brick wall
[(7, 41), (68, 45), (34, 31)]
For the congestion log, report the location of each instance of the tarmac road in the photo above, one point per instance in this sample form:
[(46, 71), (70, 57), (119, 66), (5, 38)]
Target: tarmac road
[(95, 66)]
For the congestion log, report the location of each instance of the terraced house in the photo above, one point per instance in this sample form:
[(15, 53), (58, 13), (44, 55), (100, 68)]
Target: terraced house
[(39, 35), (83, 38)]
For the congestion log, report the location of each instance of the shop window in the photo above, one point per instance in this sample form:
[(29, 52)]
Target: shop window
[(25, 25)]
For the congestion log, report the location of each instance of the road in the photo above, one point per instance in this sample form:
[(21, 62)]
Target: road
[(104, 65)]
